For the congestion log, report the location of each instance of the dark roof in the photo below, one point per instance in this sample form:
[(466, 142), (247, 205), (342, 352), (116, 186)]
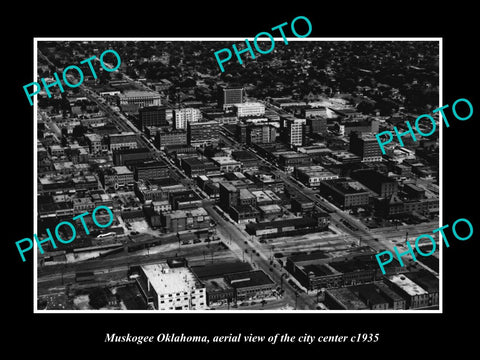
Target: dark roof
[(369, 293), (371, 175), (163, 181), (131, 151), (249, 278), (220, 269), (150, 163), (425, 279), (317, 269), (302, 222), (358, 263), (243, 155), (308, 257)]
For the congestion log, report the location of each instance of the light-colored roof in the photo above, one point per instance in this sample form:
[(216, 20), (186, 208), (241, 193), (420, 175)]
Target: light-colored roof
[(122, 170), (166, 280), (407, 285)]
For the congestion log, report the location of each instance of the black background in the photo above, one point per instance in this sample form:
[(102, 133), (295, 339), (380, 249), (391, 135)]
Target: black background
[(84, 334)]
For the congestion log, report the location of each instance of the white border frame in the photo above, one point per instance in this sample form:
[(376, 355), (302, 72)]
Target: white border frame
[(319, 312)]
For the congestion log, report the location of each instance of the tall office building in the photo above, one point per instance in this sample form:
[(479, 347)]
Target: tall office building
[(365, 146), (295, 131), (152, 116), (184, 116), (229, 195), (261, 134), (230, 95), (202, 133)]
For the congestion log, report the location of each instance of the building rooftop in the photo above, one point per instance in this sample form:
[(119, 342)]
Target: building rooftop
[(425, 279), (347, 298), (274, 208), (218, 284), (369, 292), (166, 280), (122, 170), (228, 186), (220, 269), (316, 257), (249, 278), (347, 186), (293, 155), (249, 104), (389, 293), (131, 151), (261, 195), (358, 263), (150, 163), (139, 93), (246, 194), (407, 285), (317, 269), (224, 160)]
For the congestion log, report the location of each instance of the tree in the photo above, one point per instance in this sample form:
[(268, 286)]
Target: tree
[(79, 131), (97, 298)]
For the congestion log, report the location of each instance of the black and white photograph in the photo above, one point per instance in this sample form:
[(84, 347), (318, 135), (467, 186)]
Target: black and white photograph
[(260, 188), (285, 179)]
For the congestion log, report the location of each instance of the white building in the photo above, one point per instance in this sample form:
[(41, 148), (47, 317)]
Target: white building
[(295, 130), (184, 116), (174, 288), (249, 109), (140, 98)]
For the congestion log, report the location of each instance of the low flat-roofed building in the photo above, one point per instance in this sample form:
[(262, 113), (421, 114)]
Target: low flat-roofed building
[(169, 288), (251, 284), (288, 161), (187, 199), (246, 197), (227, 164), (139, 98), (266, 181), (180, 220), (116, 176), (428, 282), (371, 296), (312, 270), (218, 290), (343, 299), (243, 213), (283, 227), (345, 157), (395, 301), (312, 175), (151, 169), (249, 109), (302, 205), (160, 206), (194, 166), (414, 294), (269, 212), (96, 143), (345, 193), (128, 156), (379, 183), (220, 269), (126, 140), (247, 158), (82, 204)]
